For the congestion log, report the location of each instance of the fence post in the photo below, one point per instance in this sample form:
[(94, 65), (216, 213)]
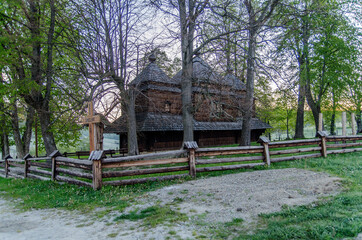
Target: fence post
[(7, 165), (96, 157), (353, 125), (323, 135), (54, 156), (320, 123), (191, 147), (26, 164), (344, 123), (265, 142)]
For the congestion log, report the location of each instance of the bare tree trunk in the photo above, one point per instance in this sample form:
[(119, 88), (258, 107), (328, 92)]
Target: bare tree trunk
[(333, 119), (250, 75), (36, 99), (254, 25), (299, 125), (187, 36), (131, 123), (5, 147), (46, 132), (359, 119), (22, 142), (303, 62)]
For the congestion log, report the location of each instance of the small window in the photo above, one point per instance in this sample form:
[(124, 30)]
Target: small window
[(167, 106)]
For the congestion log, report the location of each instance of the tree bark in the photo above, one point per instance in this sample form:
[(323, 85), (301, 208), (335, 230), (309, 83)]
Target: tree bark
[(22, 141), (250, 75), (359, 120), (46, 132), (187, 37), (131, 123), (333, 119), (299, 125), (5, 147), (254, 25)]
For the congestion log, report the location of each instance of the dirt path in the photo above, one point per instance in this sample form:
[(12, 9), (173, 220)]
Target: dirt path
[(208, 201)]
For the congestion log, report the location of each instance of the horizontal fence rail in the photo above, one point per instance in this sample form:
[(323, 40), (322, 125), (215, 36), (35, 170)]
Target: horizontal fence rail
[(101, 168)]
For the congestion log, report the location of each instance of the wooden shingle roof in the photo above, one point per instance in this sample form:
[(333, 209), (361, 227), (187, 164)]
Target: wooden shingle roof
[(152, 73), (154, 122)]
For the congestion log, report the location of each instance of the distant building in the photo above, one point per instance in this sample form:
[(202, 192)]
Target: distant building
[(217, 103)]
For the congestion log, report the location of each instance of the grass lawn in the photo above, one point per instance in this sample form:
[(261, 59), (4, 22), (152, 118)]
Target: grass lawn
[(338, 217), (333, 218)]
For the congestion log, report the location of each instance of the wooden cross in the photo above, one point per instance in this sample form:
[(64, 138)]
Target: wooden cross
[(95, 129)]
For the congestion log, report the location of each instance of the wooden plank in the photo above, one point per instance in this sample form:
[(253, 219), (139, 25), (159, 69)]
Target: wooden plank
[(16, 160), (281, 159), (38, 177), (168, 154), (81, 166), (220, 149), (16, 165), (39, 164), (75, 173), (293, 142), (344, 145), (73, 181), (15, 175), (39, 158), (229, 167), (298, 150), (91, 119), (208, 154), (39, 171), (204, 152), (228, 160), (282, 145), (344, 150), (342, 138), (143, 180), (73, 161), (144, 163), (143, 171)]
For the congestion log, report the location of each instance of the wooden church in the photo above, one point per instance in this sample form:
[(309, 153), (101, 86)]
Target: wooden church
[(217, 105)]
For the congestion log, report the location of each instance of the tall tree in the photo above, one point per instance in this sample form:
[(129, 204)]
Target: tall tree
[(112, 33), (39, 53), (258, 15), (332, 56)]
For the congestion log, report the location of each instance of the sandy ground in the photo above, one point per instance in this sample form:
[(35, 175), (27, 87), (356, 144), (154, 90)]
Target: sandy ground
[(207, 202)]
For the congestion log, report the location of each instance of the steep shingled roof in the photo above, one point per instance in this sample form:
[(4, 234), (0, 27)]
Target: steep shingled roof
[(153, 122), (231, 80), (152, 73), (202, 72)]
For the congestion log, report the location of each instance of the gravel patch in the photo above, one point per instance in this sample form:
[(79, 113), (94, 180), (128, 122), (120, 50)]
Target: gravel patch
[(209, 201), (246, 195)]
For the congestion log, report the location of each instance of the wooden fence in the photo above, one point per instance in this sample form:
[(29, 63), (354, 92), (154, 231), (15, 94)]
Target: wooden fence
[(99, 170)]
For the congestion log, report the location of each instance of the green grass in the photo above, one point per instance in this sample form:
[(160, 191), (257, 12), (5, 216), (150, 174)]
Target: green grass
[(334, 218), (37, 194), (154, 215)]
